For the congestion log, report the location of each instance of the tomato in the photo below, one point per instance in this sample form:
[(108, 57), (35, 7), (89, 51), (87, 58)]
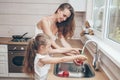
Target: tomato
[(65, 73), (60, 75), (80, 62)]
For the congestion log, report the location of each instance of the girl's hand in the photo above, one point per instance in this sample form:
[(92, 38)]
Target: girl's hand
[(82, 57), (80, 60)]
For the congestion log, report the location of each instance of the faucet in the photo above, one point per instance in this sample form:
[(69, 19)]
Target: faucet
[(96, 57)]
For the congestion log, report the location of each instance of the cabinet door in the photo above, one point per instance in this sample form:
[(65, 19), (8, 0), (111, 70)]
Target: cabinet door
[(3, 48), (3, 60), (78, 5), (3, 69)]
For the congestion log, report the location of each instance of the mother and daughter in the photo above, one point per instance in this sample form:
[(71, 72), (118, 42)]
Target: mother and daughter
[(37, 58)]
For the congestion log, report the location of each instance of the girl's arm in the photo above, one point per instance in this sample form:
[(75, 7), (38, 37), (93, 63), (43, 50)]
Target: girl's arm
[(65, 50), (54, 60)]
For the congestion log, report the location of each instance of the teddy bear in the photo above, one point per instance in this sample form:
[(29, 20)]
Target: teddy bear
[(87, 29)]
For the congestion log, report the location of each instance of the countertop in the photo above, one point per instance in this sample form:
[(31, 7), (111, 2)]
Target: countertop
[(99, 75), (7, 40)]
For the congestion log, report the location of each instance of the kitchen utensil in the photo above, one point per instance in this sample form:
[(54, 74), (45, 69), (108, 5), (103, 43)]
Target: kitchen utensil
[(19, 36)]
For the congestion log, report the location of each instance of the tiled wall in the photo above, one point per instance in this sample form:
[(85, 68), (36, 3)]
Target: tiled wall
[(79, 21)]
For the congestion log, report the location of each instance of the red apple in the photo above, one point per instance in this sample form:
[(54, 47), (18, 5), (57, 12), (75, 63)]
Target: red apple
[(65, 73)]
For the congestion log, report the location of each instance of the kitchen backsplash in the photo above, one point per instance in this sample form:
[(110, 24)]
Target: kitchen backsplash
[(79, 21), (18, 17)]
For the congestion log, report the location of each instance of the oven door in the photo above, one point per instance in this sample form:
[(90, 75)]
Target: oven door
[(15, 61)]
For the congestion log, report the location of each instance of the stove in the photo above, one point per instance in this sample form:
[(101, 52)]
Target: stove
[(15, 57), (16, 52), (25, 39)]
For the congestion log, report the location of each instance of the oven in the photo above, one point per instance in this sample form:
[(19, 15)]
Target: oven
[(15, 57)]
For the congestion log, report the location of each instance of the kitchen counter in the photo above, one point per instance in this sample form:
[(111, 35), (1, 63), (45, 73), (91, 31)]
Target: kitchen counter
[(99, 75), (7, 40)]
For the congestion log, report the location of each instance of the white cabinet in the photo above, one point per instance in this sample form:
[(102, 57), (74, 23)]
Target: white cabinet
[(78, 5), (3, 60)]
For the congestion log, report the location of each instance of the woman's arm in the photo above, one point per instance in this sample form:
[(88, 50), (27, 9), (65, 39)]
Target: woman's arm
[(64, 42), (54, 60), (45, 26)]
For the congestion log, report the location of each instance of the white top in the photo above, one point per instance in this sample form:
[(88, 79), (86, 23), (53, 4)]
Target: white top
[(37, 31), (40, 71)]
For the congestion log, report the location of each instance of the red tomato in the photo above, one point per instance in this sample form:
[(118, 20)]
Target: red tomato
[(65, 73), (80, 62), (60, 75)]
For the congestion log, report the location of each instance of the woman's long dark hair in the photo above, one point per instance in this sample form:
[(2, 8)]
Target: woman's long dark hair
[(66, 27), (32, 48)]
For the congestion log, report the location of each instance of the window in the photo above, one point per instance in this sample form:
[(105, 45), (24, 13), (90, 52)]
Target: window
[(106, 21), (109, 27), (114, 21), (98, 12)]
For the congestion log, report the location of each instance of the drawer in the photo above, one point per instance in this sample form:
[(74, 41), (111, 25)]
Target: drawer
[(3, 57), (3, 48)]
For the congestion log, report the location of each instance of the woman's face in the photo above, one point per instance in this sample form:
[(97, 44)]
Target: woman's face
[(63, 15)]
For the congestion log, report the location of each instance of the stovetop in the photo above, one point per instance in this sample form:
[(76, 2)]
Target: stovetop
[(25, 39)]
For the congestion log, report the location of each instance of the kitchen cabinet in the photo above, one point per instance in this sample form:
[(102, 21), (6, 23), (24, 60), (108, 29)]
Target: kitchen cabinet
[(3, 61), (78, 5)]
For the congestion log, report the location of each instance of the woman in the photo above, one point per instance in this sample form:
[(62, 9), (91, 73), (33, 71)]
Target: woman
[(61, 23), (37, 58)]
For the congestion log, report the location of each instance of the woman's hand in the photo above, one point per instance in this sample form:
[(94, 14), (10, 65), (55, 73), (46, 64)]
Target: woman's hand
[(76, 51)]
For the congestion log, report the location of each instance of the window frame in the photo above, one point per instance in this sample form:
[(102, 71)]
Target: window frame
[(111, 42), (103, 35), (99, 34)]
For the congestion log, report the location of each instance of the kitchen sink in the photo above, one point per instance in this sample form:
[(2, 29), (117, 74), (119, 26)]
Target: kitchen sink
[(70, 70)]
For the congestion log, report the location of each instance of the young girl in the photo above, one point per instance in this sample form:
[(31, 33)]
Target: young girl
[(37, 59)]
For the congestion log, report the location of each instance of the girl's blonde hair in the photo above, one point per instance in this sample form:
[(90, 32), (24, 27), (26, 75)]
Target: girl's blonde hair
[(32, 48)]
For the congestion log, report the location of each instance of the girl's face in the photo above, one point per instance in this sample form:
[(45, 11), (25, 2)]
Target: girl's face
[(63, 15)]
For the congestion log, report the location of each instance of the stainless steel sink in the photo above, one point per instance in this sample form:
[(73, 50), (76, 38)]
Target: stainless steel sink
[(70, 70)]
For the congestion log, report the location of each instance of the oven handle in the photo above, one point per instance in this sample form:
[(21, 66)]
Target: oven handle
[(11, 53)]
